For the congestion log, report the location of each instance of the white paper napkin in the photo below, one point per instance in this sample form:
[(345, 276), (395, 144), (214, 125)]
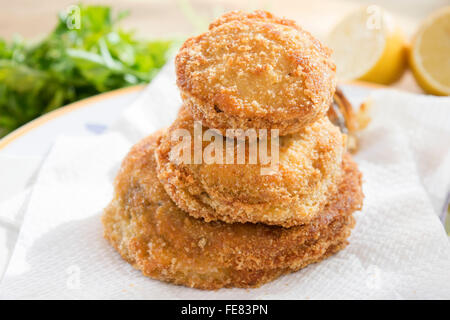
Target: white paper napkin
[(398, 249), (19, 183)]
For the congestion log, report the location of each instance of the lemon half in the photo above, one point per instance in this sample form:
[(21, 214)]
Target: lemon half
[(368, 45), (429, 55)]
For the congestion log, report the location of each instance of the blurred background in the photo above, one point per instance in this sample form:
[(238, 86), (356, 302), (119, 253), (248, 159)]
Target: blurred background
[(161, 18), (180, 18), (44, 66)]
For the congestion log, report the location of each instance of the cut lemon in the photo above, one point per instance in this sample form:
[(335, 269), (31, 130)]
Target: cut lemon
[(429, 55), (367, 45)]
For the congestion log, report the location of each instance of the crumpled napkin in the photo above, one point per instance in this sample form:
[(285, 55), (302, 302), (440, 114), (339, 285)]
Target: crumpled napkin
[(15, 189), (398, 249)]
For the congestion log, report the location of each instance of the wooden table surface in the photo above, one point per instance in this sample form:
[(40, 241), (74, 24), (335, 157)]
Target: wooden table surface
[(162, 18)]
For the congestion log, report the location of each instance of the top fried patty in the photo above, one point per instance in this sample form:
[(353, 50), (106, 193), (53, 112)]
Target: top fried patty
[(255, 71)]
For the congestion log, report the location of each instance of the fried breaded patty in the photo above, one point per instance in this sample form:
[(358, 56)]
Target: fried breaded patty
[(308, 173), (165, 243), (253, 70)]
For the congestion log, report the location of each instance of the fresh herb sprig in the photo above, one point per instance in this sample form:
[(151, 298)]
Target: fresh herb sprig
[(71, 64)]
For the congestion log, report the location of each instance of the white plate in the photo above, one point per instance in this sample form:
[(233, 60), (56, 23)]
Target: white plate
[(87, 117)]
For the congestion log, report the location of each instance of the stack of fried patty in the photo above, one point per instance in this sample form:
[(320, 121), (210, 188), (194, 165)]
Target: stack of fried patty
[(214, 224)]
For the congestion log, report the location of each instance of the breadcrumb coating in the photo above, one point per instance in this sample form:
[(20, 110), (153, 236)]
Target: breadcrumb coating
[(165, 243), (253, 70), (308, 174)]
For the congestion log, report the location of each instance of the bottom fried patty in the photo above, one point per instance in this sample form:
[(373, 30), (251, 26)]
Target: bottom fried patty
[(165, 243)]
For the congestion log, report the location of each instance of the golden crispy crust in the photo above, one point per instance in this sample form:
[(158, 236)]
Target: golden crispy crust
[(309, 171), (255, 71), (165, 243)]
